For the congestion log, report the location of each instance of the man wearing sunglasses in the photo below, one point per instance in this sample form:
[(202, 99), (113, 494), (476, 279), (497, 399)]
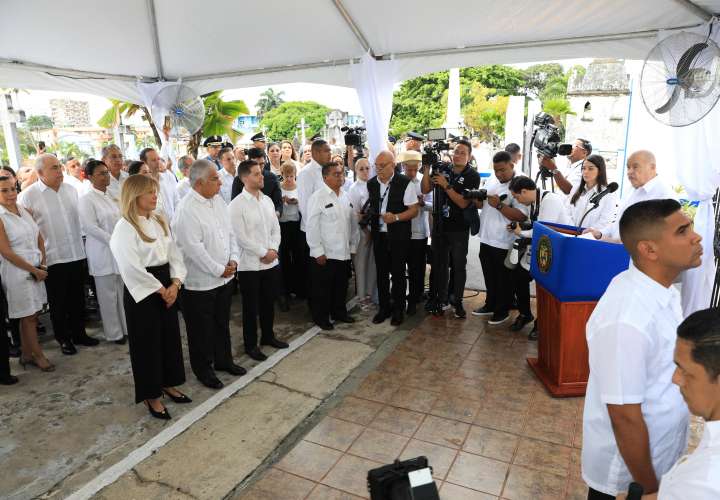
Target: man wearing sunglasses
[(569, 178)]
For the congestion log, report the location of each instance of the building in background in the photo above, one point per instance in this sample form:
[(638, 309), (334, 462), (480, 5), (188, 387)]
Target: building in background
[(70, 113)]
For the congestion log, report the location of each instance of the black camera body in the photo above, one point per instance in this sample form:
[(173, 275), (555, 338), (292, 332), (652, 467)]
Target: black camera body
[(368, 214), (354, 136), (546, 138), (524, 225), (475, 194), (431, 154)]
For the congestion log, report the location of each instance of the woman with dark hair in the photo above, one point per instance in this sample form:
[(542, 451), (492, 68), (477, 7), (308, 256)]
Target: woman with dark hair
[(288, 153), (138, 168), (98, 215), (594, 180), (13, 324), (274, 155)]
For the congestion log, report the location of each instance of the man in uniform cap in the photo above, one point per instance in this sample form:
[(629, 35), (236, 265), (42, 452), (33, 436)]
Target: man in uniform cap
[(413, 142), (213, 144), (260, 142)]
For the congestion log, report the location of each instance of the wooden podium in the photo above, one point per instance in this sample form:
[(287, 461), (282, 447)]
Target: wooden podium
[(571, 274)]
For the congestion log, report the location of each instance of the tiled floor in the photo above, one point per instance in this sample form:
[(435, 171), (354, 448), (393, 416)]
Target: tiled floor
[(458, 392)]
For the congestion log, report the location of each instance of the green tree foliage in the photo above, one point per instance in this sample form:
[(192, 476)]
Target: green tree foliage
[(537, 77), (27, 145), (281, 122), (268, 100), (39, 122), (486, 113), (220, 115), (118, 109), (64, 150)]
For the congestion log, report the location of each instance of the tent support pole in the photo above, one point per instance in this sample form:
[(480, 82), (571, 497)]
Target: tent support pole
[(354, 27), (156, 39), (694, 8)]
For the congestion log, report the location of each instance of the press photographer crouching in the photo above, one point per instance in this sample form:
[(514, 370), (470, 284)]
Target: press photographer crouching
[(451, 223), (544, 206)]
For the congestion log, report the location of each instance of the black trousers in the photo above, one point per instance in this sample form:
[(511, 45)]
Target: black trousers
[(521, 286), (303, 272), (207, 321), (447, 245), (154, 340), (329, 289), (417, 262), (390, 260), (4, 339), (292, 257), (498, 279), (65, 287), (597, 495), (257, 288)]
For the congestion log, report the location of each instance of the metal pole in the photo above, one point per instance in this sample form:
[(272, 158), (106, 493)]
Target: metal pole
[(10, 129)]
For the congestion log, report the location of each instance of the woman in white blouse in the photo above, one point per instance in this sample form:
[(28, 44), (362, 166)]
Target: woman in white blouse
[(23, 270), (594, 180), (364, 259), (274, 154), (153, 271), (98, 215), (288, 153), (291, 252)]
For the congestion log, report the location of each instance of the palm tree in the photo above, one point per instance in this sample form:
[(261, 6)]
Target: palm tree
[(220, 116), (268, 100), (118, 109), (558, 108)]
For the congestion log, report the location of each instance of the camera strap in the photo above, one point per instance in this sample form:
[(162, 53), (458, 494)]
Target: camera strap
[(535, 208)]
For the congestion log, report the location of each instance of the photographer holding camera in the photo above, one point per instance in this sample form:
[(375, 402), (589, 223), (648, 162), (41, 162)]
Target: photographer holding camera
[(450, 232), (569, 179), (545, 206)]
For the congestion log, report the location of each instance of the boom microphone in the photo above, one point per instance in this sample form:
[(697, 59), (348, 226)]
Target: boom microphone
[(612, 187)]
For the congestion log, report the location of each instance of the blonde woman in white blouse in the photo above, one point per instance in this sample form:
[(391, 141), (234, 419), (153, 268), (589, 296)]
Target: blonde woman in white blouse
[(153, 271), (99, 213)]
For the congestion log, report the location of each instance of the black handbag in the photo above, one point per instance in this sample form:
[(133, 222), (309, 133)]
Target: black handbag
[(391, 482)]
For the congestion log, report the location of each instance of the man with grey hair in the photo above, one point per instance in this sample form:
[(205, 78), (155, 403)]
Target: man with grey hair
[(205, 237), (113, 159), (54, 206)]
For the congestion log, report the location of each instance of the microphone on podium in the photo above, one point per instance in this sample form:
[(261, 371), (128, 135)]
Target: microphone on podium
[(612, 187)]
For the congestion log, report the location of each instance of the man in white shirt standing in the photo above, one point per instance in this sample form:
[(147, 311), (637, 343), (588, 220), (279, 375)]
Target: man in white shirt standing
[(113, 158), (635, 422), (54, 206), (257, 231), (227, 173), (332, 236), (167, 197), (74, 175), (568, 179), (204, 235), (642, 174), (183, 186)]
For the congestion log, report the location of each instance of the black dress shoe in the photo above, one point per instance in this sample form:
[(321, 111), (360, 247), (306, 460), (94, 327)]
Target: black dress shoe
[(211, 382), (232, 369), (182, 398), (8, 380), (256, 354), (325, 325), (397, 319), (121, 341), (162, 415), (86, 340), (380, 317), (68, 348), (274, 342), (283, 304), (345, 319), (520, 322), (411, 309)]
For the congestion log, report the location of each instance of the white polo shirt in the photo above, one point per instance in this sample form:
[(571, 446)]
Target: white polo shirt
[(331, 229), (493, 224), (696, 476), (631, 338)]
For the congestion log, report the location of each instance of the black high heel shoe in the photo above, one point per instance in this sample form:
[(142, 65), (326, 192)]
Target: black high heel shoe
[(162, 415), (182, 398)]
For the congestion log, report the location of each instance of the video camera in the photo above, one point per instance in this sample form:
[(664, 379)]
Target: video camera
[(546, 138), (475, 194), (431, 152), (354, 136), (524, 225)]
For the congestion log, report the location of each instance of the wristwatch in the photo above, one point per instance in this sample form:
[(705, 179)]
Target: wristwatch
[(397, 218), (500, 206)]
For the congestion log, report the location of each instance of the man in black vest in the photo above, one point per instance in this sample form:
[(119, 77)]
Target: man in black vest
[(393, 203)]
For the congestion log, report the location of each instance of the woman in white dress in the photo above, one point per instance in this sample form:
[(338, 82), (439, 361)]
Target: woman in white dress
[(153, 270), (98, 215), (23, 271), (364, 259), (594, 180)]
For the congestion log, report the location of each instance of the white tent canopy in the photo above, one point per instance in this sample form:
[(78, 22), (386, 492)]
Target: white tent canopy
[(103, 47)]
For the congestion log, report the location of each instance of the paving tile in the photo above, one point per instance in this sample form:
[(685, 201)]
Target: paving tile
[(527, 484), (546, 457), (334, 433), (466, 388), (377, 445), (578, 436), (451, 491), (350, 475), (359, 411), (322, 492), (577, 490), (478, 473), (491, 443), (278, 484), (547, 428), (442, 431), (377, 387), (414, 399), (427, 380), (456, 408), (502, 420), (309, 460), (439, 457), (576, 464), (398, 421), (544, 404)]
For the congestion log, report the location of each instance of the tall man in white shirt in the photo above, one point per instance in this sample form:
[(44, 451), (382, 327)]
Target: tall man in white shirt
[(204, 235), (642, 174), (54, 206), (113, 158), (73, 175), (227, 173), (167, 197), (635, 422), (257, 230), (332, 236), (420, 226)]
